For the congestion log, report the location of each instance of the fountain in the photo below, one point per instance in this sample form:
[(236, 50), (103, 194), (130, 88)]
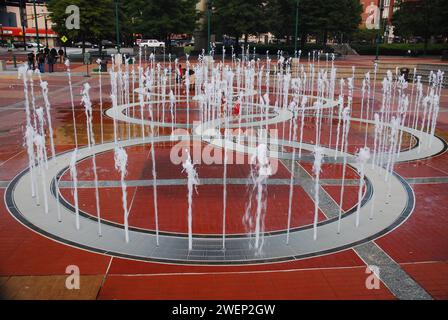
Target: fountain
[(260, 172), (362, 157), (246, 94), (85, 100), (74, 176), (317, 165), (121, 162), (193, 181)]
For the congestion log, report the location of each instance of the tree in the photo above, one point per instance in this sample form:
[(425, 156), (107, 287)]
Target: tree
[(283, 27), (96, 19), (238, 17), (319, 18), (323, 18), (160, 19), (424, 18), (364, 35)]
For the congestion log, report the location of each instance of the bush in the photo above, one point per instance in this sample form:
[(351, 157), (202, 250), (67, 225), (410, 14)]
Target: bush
[(261, 49), (399, 49)]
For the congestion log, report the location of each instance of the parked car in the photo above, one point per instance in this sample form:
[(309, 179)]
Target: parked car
[(87, 44), (184, 42), (107, 44), (19, 44), (151, 43), (189, 43), (34, 45)]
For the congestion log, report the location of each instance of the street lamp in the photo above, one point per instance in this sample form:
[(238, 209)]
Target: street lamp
[(209, 13), (46, 31), (378, 36), (117, 26), (23, 20), (35, 21), (297, 26)]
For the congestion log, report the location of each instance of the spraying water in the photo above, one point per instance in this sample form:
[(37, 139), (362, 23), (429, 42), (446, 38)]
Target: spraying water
[(344, 146), (293, 166), (260, 172), (317, 167), (362, 157), (69, 75), (29, 143), (99, 61), (85, 100), (121, 162), (74, 176), (193, 181)]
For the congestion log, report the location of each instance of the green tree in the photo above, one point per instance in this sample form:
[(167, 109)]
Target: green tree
[(318, 18), (423, 18), (96, 19), (238, 17), (160, 19), (363, 35), (323, 19), (283, 27)]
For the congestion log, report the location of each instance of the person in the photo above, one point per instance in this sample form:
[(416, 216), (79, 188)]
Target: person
[(236, 109), (41, 61), (179, 74), (31, 61), (192, 80), (54, 53), (61, 55), (51, 59), (223, 104)]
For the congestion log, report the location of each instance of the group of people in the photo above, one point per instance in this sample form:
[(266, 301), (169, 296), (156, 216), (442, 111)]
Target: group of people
[(43, 57)]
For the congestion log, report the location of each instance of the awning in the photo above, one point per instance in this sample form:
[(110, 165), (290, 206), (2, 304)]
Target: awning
[(29, 32)]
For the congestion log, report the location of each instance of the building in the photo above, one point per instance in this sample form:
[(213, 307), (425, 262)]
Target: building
[(18, 22), (370, 20), (371, 14)]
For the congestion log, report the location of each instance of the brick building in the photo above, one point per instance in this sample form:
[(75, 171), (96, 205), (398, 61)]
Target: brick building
[(17, 18)]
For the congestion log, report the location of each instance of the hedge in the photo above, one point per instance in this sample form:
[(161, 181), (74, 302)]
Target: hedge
[(399, 49), (261, 49)]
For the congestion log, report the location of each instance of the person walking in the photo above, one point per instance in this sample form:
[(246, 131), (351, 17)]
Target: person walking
[(51, 60), (179, 74), (41, 61), (31, 61), (61, 55)]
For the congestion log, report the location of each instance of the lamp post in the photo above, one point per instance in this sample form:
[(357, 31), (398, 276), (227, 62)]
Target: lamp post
[(22, 4), (117, 26), (46, 31), (35, 21), (378, 36), (297, 26), (209, 13)]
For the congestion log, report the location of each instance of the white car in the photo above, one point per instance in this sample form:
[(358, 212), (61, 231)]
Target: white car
[(151, 43), (34, 45)]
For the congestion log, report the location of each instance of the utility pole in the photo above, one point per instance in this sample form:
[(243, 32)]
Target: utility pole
[(297, 26), (117, 26), (209, 13), (22, 4), (378, 36), (46, 31), (35, 21)]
